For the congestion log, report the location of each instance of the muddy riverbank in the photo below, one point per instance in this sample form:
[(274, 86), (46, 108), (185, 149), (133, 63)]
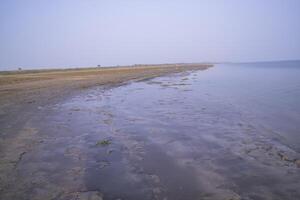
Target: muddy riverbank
[(27, 99)]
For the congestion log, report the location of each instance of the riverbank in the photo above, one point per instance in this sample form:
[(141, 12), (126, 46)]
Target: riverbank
[(27, 98)]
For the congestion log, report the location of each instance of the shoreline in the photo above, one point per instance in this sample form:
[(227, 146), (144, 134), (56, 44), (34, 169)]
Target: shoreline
[(28, 87), (26, 100)]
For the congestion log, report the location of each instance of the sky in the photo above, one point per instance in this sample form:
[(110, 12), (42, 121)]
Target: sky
[(79, 33)]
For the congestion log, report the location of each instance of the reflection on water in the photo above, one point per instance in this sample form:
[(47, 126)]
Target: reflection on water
[(267, 94), (230, 132)]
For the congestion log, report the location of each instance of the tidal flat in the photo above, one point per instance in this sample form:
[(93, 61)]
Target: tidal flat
[(229, 132)]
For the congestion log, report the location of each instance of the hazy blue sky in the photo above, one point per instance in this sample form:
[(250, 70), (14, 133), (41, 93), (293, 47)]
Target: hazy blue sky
[(66, 33)]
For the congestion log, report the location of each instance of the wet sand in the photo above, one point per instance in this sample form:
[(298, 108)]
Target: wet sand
[(37, 159)]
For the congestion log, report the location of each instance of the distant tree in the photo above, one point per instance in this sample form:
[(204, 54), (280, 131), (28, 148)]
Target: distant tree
[(19, 68), (98, 65)]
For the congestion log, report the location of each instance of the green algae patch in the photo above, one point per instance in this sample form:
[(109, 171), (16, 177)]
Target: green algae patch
[(103, 143)]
